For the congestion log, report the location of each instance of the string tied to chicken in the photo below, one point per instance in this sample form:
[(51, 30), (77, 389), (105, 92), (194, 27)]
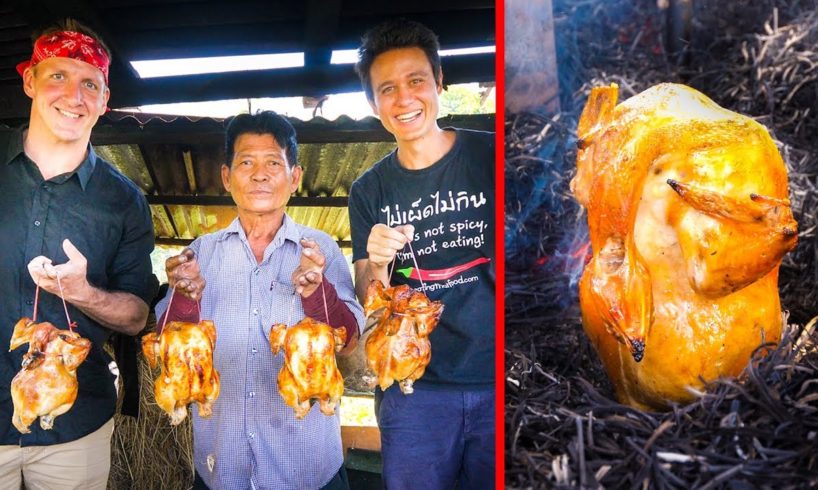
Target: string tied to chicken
[(167, 311), (400, 318), (391, 270), (184, 351), (414, 262), (292, 305), (71, 325), (36, 302), (309, 372), (46, 385), (324, 295)]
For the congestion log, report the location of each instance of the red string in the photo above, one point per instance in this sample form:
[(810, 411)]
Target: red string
[(415, 261), (167, 311), (36, 301), (71, 325), (324, 293), (391, 269)]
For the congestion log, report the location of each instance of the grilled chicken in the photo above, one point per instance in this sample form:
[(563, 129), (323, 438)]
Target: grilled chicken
[(309, 371), (689, 219), (46, 386), (398, 347), (185, 353)]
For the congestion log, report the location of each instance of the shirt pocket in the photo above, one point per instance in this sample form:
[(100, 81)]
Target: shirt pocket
[(284, 306)]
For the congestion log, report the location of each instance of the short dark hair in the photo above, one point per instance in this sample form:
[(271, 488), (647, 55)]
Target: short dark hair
[(262, 122), (69, 24), (394, 34)]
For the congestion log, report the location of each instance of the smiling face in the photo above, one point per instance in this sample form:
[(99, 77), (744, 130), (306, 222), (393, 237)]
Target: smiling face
[(67, 96), (260, 178), (406, 93)]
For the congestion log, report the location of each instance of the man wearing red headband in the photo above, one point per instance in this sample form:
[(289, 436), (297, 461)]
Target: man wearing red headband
[(76, 227)]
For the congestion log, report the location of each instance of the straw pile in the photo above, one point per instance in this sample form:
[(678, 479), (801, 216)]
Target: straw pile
[(563, 427), (147, 452)]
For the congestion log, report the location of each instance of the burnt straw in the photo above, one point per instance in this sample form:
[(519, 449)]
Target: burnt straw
[(563, 426)]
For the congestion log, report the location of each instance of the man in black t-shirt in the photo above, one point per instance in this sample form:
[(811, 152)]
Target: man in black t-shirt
[(429, 206)]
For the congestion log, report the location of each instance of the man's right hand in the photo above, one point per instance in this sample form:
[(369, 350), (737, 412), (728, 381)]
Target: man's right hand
[(384, 242), (184, 275)]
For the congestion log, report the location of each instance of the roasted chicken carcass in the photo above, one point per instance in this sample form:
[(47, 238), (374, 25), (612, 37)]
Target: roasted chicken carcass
[(46, 386), (398, 347), (309, 371), (185, 353), (689, 219)]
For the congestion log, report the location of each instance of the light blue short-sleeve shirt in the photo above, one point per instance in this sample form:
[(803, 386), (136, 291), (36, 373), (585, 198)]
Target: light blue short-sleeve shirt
[(252, 439)]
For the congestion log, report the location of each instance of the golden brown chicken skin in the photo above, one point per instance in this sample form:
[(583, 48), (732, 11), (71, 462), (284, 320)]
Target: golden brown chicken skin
[(185, 353), (689, 219), (46, 386), (309, 371), (398, 347)]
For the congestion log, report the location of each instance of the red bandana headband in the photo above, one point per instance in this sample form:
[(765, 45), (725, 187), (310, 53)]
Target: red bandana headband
[(68, 44)]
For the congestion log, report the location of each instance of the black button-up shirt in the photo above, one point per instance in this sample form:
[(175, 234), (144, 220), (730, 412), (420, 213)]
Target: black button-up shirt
[(108, 219)]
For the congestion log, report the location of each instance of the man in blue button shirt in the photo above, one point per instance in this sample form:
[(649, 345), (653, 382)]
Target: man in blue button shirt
[(69, 214), (261, 270)]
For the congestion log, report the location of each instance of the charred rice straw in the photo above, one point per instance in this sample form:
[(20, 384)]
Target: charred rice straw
[(563, 427), (149, 453)]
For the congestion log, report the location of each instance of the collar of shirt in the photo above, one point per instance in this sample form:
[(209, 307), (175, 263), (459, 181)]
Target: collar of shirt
[(83, 172), (288, 231)]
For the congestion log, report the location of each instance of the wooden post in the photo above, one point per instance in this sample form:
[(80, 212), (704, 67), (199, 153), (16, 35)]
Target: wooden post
[(531, 82), (677, 31)]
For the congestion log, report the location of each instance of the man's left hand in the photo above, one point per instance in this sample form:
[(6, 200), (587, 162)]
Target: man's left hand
[(310, 271), (72, 274)]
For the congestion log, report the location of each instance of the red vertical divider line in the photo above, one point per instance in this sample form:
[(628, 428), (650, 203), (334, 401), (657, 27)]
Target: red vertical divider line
[(499, 183)]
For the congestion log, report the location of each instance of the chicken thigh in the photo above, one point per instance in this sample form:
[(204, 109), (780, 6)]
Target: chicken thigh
[(46, 386), (689, 219), (309, 371), (185, 352)]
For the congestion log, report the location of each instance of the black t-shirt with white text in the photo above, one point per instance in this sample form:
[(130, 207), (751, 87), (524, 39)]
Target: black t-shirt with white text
[(451, 206)]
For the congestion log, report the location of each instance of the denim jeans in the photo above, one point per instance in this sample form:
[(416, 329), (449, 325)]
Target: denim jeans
[(432, 439)]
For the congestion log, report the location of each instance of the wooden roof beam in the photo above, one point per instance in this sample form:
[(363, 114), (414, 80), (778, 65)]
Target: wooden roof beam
[(456, 29), (323, 18), (285, 82)]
